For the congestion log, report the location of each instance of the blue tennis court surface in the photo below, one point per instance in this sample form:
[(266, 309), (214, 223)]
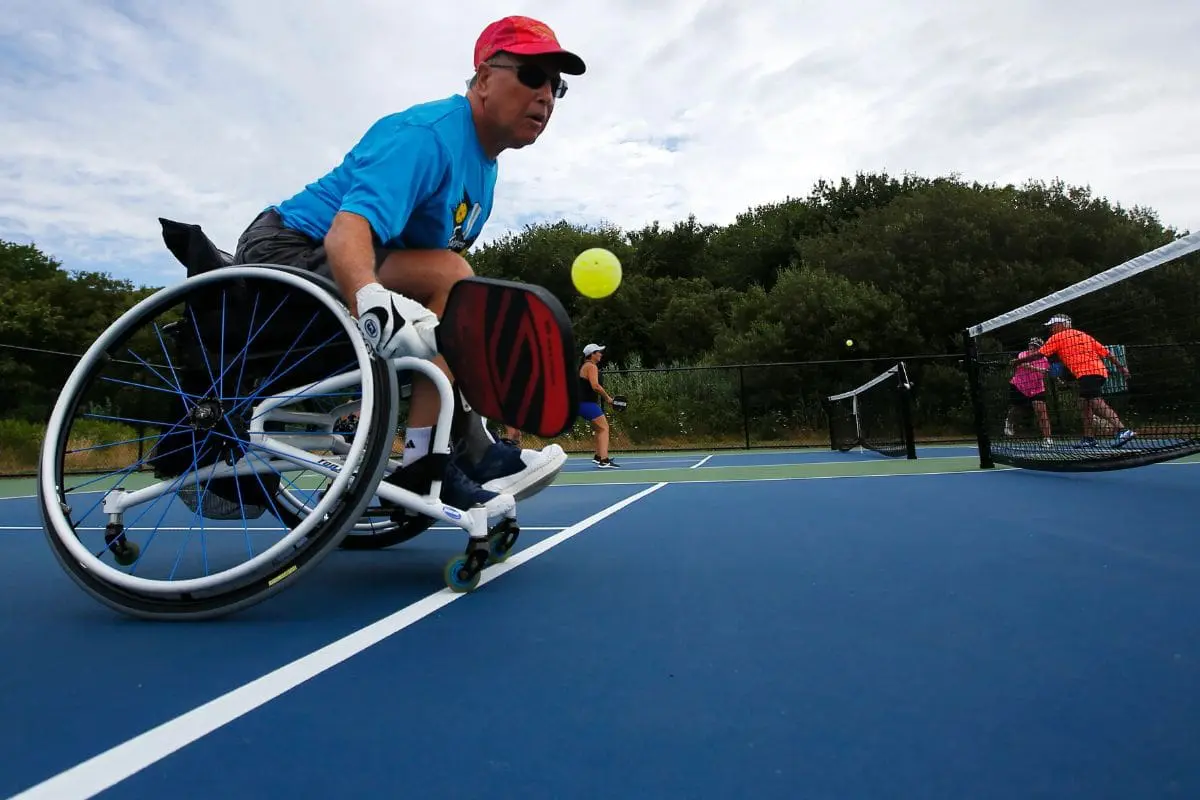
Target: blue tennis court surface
[(982, 634)]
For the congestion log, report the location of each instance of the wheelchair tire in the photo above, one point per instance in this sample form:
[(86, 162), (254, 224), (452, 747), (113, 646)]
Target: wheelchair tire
[(367, 533), (299, 550), (389, 536)]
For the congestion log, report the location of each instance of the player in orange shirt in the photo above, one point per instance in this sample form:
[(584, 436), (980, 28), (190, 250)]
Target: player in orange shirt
[(1084, 357)]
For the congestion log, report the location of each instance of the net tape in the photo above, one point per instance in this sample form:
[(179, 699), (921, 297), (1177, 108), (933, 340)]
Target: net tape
[(878, 379), (880, 426), (1157, 257)]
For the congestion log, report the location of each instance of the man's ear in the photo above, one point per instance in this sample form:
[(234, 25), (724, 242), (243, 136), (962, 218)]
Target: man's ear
[(483, 78)]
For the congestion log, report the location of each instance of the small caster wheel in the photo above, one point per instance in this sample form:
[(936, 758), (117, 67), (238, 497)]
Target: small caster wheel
[(126, 552), (462, 572), (502, 540)]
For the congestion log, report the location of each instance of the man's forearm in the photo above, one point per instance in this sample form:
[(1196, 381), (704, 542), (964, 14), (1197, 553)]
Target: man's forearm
[(350, 250)]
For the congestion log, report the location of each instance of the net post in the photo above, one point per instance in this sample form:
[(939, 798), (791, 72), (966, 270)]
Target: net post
[(745, 408), (829, 411), (971, 361), (910, 439)]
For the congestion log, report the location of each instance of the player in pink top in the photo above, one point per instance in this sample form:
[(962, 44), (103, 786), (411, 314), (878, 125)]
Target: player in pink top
[(1084, 358), (1028, 389)]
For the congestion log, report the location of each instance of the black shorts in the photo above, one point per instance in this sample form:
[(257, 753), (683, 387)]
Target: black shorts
[(1017, 398), (1090, 385), (268, 241)]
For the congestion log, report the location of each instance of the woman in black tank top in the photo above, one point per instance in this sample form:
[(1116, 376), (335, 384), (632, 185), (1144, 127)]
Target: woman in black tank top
[(586, 393), (590, 392)]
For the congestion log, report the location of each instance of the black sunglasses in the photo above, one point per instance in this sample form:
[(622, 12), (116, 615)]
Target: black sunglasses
[(535, 77)]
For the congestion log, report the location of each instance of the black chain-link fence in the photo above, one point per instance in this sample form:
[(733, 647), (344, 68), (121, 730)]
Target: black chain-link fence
[(767, 405), (726, 407)]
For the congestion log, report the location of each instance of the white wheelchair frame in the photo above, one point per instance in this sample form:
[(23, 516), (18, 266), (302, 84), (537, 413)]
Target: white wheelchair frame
[(271, 452)]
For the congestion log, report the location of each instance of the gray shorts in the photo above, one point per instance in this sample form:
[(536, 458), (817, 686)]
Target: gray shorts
[(268, 241)]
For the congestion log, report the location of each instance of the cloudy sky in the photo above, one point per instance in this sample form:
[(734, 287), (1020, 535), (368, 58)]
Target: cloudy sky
[(116, 112)]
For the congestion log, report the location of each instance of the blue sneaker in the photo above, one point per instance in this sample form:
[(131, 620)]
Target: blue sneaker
[(1123, 437), (507, 469), (461, 491), (501, 458), (458, 490)]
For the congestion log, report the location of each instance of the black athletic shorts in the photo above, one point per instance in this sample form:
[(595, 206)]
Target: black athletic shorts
[(1017, 398), (1090, 385), (268, 241)]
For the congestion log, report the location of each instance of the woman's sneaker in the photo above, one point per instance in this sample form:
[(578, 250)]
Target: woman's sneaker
[(607, 463), (1123, 437)]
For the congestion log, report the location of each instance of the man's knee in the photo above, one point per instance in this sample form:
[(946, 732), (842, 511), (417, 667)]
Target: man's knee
[(459, 266), (446, 263), (424, 275), (423, 271)]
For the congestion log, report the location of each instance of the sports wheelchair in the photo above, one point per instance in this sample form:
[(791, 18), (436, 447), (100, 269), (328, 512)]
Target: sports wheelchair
[(223, 404)]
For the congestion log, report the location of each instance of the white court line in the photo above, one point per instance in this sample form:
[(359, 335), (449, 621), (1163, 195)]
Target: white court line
[(688, 481), (252, 528), (35, 497), (118, 763), (1173, 463), (775, 465), (997, 468), (700, 463), (738, 467), (586, 463)]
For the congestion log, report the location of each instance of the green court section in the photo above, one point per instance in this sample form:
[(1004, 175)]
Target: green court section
[(18, 487), (760, 472)]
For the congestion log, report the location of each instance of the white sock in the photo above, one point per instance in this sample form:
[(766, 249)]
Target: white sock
[(416, 444)]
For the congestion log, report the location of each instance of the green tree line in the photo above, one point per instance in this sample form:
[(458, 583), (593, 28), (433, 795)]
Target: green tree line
[(49, 316), (900, 265)]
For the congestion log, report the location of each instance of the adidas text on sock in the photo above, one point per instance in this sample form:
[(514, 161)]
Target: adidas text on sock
[(416, 444)]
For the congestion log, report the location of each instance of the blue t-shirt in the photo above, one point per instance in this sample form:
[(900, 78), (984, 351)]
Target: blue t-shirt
[(419, 176)]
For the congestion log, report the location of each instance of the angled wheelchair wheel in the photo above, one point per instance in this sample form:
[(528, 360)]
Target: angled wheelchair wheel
[(380, 534), (175, 437), (375, 529)]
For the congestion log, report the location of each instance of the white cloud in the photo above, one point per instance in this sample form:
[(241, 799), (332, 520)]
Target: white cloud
[(117, 112)]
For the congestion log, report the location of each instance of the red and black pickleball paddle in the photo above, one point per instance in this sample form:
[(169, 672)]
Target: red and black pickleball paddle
[(510, 347)]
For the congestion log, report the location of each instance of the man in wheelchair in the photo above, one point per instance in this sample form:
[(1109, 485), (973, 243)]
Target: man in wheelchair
[(390, 223)]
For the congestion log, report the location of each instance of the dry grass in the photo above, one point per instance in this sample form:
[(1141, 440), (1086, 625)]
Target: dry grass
[(92, 446)]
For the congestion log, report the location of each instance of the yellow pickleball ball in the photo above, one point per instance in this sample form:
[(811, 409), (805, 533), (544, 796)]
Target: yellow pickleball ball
[(596, 273), (849, 343)]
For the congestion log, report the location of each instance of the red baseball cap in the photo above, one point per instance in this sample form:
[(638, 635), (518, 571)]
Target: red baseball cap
[(524, 36)]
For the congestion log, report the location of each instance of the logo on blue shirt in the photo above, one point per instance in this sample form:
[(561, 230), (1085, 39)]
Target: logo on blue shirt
[(466, 214)]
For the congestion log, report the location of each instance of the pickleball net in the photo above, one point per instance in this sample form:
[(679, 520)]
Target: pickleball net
[(1113, 380), (876, 416)]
